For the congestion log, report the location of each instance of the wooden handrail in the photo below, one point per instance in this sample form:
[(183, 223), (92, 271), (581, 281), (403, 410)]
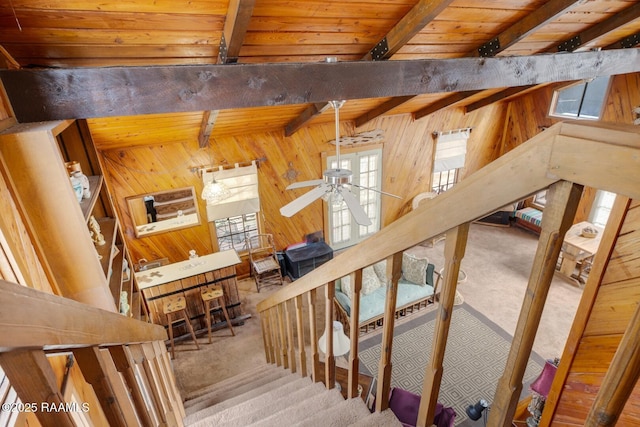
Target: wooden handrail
[(35, 319), (563, 158)]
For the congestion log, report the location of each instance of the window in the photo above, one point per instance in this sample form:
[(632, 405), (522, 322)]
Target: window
[(581, 100), (601, 208), (540, 199), (367, 172), (449, 157), (232, 233), (442, 181)]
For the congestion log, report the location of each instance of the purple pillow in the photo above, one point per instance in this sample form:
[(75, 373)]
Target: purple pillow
[(405, 406)]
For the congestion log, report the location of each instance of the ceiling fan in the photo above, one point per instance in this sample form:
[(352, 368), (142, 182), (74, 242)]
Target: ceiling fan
[(334, 185)]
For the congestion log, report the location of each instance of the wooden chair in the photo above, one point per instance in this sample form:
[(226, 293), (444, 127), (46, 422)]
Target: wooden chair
[(177, 306), (265, 267), (214, 293)]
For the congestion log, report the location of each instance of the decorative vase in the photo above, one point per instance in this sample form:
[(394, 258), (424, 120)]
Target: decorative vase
[(84, 180), (77, 187)]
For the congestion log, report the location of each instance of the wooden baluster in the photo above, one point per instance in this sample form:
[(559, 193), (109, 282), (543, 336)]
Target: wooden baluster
[(300, 328), (394, 271), (33, 379), (276, 338), (313, 336), (620, 380), (455, 245), (141, 353), (354, 333), (329, 358), (284, 347), (154, 405), (99, 370), (125, 365), (164, 363), (266, 335), (562, 202), (154, 359), (291, 345)]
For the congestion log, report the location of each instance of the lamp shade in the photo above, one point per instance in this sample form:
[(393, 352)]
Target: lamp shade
[(215, 191), (542, 384), (341, 342)]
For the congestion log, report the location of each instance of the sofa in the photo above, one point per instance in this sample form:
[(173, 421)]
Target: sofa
[(416, 290)]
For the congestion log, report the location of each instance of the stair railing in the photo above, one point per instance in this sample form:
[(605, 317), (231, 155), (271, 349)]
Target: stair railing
[(563, 158), (125, 361)]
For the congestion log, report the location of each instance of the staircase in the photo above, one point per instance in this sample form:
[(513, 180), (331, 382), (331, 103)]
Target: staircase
[(271, 396)]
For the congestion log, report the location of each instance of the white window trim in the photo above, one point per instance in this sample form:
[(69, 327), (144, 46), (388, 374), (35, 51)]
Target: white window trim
[(556, 95)]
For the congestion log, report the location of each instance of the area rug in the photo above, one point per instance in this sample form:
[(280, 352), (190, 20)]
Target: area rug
[(475, 358)]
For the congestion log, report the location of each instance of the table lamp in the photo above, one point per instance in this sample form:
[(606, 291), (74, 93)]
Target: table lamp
[(540, 390), (341, 342)]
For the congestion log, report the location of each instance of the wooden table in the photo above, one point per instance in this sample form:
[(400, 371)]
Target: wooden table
[(576, 248), (186, 278)]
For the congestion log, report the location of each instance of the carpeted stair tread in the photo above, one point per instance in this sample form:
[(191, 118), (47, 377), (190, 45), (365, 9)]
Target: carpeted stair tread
[(346, 412), (264, 406), (237, 379), (297, 412), (248, 402), (232, 390), (379, 419)]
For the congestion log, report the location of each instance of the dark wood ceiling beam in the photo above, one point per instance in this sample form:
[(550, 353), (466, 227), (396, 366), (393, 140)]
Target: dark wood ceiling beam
[(235, 28), (575, 43), (54, 94), (381, 109), (310, 112), (410, 25), (521, 29)]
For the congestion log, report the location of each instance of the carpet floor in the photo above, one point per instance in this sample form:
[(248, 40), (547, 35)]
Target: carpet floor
[(475, 358)]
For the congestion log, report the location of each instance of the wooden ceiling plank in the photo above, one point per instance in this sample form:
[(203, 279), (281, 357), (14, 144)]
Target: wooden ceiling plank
[(519, 30), (410, 25), (381, 109), (51, 94), (572, 44)]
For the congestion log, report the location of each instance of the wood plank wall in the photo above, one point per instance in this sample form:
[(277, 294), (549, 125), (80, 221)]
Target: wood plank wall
[(152, 153), (618, 294)]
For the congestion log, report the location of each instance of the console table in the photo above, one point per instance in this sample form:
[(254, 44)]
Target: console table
[(186, 278)]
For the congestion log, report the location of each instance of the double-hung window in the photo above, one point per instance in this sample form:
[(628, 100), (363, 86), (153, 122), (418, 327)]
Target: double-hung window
[(366, 166)]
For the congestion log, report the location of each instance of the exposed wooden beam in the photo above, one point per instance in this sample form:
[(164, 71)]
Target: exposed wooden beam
[(575, 43), (381, 109), (310, 112), (235, 28), (52, 94), (208, 121), (516, 32), (410, 25)]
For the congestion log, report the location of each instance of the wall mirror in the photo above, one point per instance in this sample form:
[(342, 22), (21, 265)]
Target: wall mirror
[(163, 211)]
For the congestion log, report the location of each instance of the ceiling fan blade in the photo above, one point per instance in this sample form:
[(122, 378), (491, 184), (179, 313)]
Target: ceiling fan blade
[(354, 206), (303, 201), (377, 191), (302, 184)]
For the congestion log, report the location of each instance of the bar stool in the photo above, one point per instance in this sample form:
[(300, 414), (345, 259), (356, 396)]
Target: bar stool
[(177, 307), (208, 295)]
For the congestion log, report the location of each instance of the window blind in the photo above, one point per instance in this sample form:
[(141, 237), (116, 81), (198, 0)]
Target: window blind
[(242, 182), (451, 149)]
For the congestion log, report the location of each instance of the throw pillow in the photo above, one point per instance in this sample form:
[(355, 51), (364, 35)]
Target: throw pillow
[(414, 269), (370, 283), (381, 271)]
